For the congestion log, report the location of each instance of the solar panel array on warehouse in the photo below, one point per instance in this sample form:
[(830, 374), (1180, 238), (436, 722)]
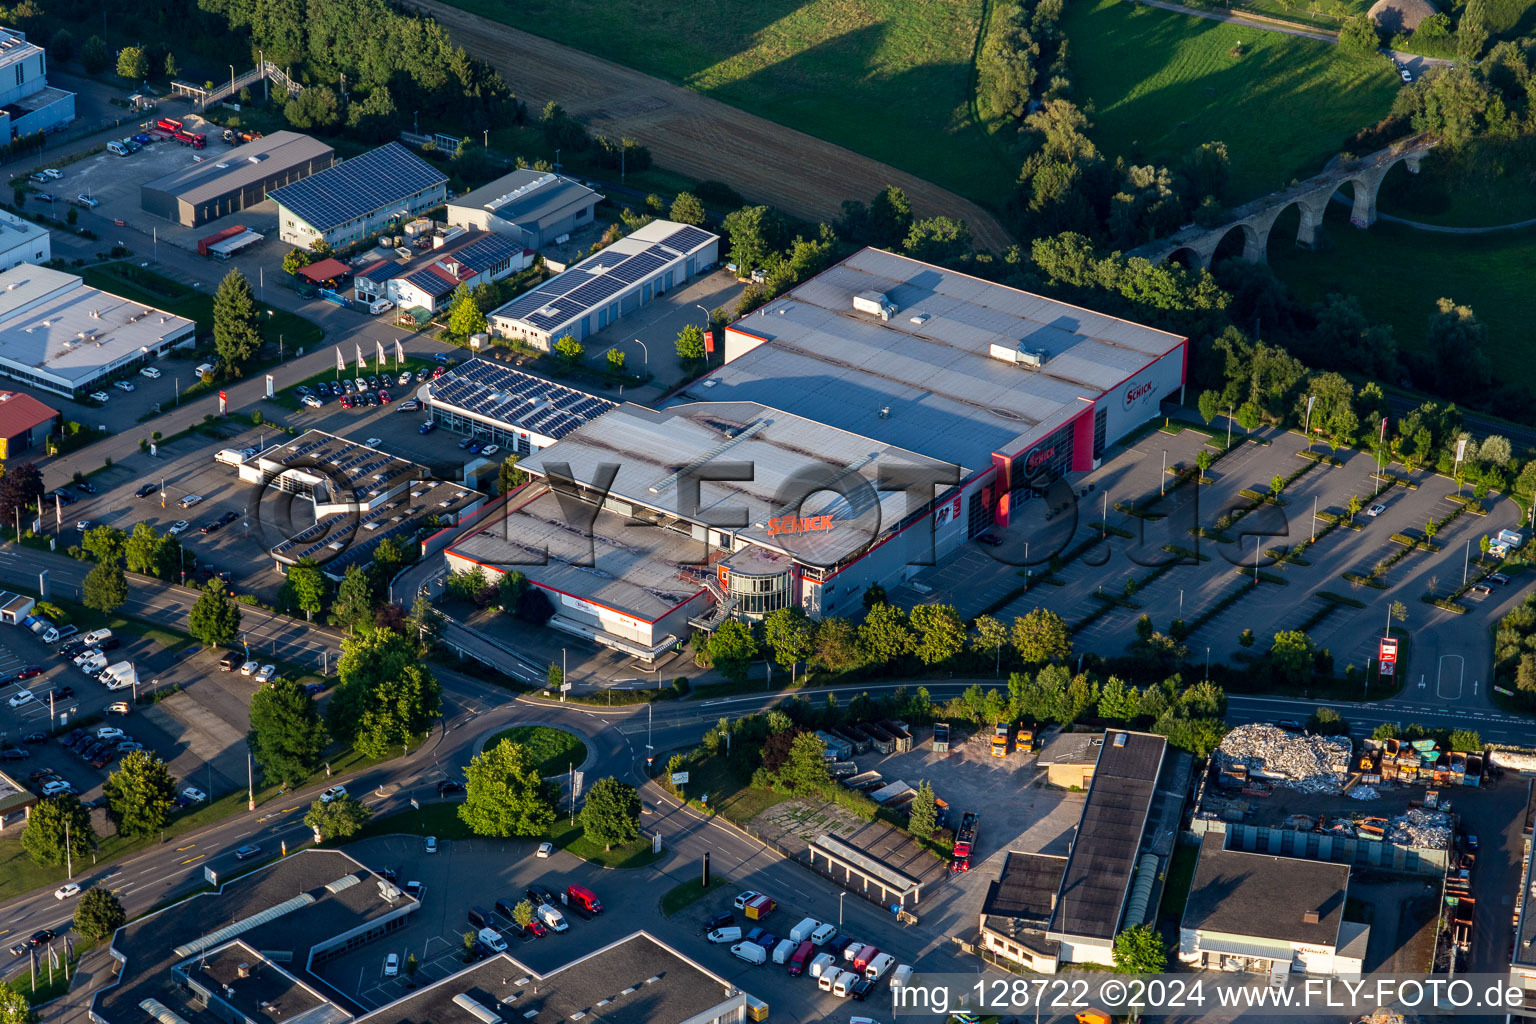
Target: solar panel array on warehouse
[(489, 390), (346, 191)]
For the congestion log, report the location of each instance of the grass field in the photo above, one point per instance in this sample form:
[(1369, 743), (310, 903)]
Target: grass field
[(553, 750), (887, 78), (152, 289), (1410, 269), (685, 895), (1161, 83), (1484, 184)]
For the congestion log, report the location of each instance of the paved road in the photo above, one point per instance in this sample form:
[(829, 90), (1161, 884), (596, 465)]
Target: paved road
[(1235, 18)]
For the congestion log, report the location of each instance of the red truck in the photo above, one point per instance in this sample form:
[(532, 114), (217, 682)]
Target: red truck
[(965, 837), (197, 140)]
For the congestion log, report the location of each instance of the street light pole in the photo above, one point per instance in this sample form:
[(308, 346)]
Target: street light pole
[(646, 353), (231, 79), (840, 910)]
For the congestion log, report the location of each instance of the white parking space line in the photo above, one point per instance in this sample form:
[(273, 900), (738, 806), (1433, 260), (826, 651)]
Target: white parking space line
[(1442, 676)]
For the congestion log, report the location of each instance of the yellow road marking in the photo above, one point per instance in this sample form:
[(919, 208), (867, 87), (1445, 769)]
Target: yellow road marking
[(189, 860)]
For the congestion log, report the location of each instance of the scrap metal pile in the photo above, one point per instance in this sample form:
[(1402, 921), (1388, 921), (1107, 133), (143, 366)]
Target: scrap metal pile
[(1423, 829), (1311, 764)]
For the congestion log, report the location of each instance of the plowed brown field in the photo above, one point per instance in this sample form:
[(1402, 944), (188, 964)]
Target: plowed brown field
[(698, 136)]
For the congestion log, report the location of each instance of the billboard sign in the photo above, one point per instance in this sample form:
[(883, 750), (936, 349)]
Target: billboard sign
[(223, 404), (1387, 653)]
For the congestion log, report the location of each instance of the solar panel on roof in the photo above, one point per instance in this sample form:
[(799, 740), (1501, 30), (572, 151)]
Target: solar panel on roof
[(685, 238), (637, 267), (353, 188)]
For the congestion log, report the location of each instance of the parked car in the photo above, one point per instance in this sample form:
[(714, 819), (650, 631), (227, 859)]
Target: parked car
[(63, 692), (123, 385), (44, 197), (193, 794), (87, 202), (99, 397), (1375, 510), (189, 500), (266, 673), (391, 965), (53, 172), (544, 850), (146, 490), (178, 528), (150, 372), (21, 698), (30, 672), (334, 793), (229, 662), (374, 442), (431, 844), (490, 449), (427, 427), (990, 539)]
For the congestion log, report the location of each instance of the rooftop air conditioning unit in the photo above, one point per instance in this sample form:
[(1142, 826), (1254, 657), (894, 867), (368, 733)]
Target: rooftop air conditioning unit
[(1032, 356)]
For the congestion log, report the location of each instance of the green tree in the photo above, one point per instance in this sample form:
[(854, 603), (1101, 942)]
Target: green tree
[(754, 232), (98, 914), (105, 588), (837, 644), (140, 794), (886, 635), (354, 604), (464, 317), (1327, 722), (95, 55), (1140, 950), (1276, 484), (791, 635), (287, 737), (504, 795), (169, 559), (384, 694), (215, 619), (940, 631), (686, 209), (611, 813), (924, 816), (304, 588), (571, 350), (20, 489), (690, 344), (1203, 462), (14, 1006), (105, 543), (805, 772), (1456, 343), (508, 476), (62, 46), (731, 648), (615, 360), (1249, 416), (171, 68), (236, 331), (1210, 405), (523, 913), (991, 634), (317, 107), (1041, 635), (1358, 36), (1354, 506), (1292, 656), (43, 836), (139, 549), (554, 677), (890, 218), (132, 64), (295, 260), (340, 818), (426, 621)]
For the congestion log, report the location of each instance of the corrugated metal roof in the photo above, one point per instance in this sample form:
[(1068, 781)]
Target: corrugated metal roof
[(244, 165)]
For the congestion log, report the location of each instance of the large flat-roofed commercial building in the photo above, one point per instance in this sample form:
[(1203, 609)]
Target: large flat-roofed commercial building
[(28, 104), (357, 198), (1270, 915), (534, 208), (22, 241), (608, 285), (517, 410), (60, 335), (240, 179), (1095, 901)]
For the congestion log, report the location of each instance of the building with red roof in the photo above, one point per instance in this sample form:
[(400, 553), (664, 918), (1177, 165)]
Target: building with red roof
[(327, 271), (24, 423)]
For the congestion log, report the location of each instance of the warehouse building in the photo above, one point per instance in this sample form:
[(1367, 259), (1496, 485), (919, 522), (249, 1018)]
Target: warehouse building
[(428, 280), (22, 241), (28, 104), (1018, 907), (25, 423), (534, 208), (351, 201), (1270, 915), (60, 335), (505, 406), (608, 285), (240, 179)]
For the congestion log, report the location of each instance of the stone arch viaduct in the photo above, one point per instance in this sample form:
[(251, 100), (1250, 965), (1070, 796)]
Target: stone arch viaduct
[(1257, 218)]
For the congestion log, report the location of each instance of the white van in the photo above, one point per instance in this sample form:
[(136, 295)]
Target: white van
[(901, 975), (828, 977), (844, 984), (95, 637), (751, 952), (822, 964), (380, 306), (552, 918), (784, 950), (878, 966), (231, 457), (492, 940), (93, 665), (852, 950), (805, 929), (720, 936), (825, 934), (118, 148)]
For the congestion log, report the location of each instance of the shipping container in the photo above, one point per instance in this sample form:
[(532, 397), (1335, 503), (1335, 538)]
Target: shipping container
[(859, 741), (888, 792), (899, 733), (941, 737), (842, 769), (217, 237), (759, 908), (882, 740), (837, 749)]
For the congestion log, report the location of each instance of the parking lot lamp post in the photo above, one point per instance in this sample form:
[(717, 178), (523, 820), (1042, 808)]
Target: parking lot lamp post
[(231, 79), (263, 69), (250, 783), (1162, 484), (840, 910), (1466, 562), (1314, 516), (1207, 663), (645, 352), (1229, 426)]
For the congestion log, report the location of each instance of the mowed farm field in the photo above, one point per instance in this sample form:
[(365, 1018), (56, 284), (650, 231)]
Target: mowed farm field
[(1398, 272), (1160, 83), (890, 79)]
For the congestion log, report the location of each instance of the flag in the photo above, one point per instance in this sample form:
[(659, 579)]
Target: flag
[(399, 352), (362, 364), (379, 346), (341, 364)]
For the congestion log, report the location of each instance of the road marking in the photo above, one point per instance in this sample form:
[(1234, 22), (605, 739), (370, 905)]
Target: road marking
[(189, 860), (184, 849), (1440, 677)]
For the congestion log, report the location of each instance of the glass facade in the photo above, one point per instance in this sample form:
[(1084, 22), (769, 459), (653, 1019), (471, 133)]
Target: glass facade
[(514, 442), (756, 596)]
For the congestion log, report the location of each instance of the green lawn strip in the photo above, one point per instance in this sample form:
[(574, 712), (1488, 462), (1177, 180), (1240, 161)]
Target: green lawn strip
[(1161, 83), (1411, 269), (569, 838), (554, 751), (442, 820), (152, 289), (685, 895), (727, 794), (1475, 185), (51, 982), (826, 67), (1181, 872)]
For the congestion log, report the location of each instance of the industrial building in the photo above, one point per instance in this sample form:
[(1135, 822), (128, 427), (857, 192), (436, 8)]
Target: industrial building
[(25, 423), (28, 104), (355, 199), (505, 406), (1270, 915), (60, 335), (533, 208), (22, 241), (238, 180), (608, 285), (1069, 759), (358, 497), (259, 949), (1018, 907), (427, 279)]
